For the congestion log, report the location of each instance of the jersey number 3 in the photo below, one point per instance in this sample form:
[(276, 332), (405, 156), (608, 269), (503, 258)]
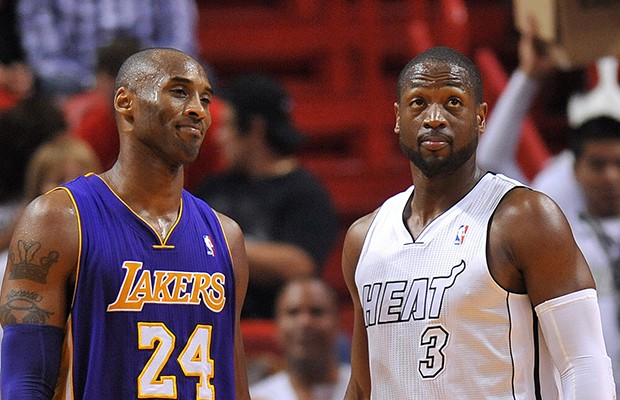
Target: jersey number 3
[(195, 360), (433, 340)]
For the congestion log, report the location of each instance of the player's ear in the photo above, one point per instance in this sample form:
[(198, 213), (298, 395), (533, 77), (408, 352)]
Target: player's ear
[(122, 100), (481, 116), (397, 112)]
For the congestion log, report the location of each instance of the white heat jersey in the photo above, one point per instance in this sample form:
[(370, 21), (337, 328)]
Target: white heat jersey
[(438, 325)]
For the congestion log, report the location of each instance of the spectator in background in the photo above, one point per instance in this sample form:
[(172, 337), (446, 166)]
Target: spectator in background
[(558, 178), (23, 128), (307, 319), (90, 114), (501, 137), (498, 146), (210, 159), (58, 161), (60, 38), (584, 179), (288, 219), (16, 78), (595, 146), (10, 47), (54, 162)]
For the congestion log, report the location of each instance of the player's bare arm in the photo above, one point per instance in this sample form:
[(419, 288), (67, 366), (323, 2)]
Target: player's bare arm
[(41, 263), (240, 264), (532, 250), (359, 384)]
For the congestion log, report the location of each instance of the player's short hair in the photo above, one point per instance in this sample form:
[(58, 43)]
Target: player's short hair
[(449, 56)]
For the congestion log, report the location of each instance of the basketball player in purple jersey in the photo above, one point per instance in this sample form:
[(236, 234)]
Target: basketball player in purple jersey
[(123, 285)]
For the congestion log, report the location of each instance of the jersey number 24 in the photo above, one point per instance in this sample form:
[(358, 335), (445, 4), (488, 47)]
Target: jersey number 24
[(195, 360)]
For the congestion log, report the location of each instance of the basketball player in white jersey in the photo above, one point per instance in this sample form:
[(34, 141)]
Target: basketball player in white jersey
[(468, 285)]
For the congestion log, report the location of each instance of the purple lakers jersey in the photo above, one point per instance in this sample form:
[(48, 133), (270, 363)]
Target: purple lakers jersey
[(151, 317)]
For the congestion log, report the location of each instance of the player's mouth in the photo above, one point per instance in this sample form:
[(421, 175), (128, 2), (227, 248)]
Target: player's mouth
[(194, 130), (434, 143)]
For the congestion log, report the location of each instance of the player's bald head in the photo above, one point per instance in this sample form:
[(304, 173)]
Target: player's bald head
[(147, 65)]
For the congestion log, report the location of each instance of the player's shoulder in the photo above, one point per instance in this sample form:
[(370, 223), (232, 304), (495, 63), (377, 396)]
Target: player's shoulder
[(230, 227), (51, 221), (359, 228), (356, 235), (54, 204), (524, 210), (524, 201)]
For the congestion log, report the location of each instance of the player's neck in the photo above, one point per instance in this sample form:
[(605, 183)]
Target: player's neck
[(154, 198), (433, 196)]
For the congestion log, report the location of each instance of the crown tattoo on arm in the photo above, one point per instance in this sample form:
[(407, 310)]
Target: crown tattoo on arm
[(24, 266)]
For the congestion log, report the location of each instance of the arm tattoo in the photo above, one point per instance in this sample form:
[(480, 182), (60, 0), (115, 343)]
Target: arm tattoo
[(24, 266), (21, 306)]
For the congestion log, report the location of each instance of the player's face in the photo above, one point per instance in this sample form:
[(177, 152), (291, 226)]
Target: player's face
[(598, 174), (438, 119), (172, 113), (307, 321)]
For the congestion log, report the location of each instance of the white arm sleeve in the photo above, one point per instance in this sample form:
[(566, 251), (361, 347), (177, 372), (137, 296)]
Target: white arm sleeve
[(571, 325), (497, 150)]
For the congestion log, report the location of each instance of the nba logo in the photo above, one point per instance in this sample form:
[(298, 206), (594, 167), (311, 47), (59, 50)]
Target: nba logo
[(210, 246), (460, 234)]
